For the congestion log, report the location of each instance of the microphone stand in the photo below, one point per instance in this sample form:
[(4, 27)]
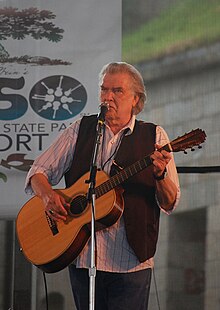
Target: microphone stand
[(91, 199)]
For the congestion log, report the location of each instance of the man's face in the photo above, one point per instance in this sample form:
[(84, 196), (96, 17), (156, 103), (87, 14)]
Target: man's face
[(116, 90)]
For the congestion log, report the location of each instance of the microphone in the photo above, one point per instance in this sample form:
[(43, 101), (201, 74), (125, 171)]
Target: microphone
[(104, 106)]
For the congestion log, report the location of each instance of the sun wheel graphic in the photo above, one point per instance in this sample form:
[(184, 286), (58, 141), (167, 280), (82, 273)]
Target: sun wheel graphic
[(58, 97)]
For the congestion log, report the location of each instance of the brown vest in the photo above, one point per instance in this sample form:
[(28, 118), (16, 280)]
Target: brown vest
[(141, 213)]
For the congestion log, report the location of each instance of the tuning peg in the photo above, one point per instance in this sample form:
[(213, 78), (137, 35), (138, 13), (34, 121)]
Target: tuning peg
[(192, 149), (185, 152), (199, 147)]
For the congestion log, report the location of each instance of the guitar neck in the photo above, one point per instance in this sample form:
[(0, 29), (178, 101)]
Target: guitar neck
[(126, 173)]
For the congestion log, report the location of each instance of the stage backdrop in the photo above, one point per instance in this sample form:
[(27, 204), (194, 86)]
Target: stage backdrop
[(50, 55)]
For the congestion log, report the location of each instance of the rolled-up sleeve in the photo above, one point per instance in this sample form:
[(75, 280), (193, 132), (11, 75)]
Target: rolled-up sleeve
[(57, 159), (162, 139)]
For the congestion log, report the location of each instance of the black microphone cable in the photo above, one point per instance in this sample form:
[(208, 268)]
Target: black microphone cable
[(46, 291)]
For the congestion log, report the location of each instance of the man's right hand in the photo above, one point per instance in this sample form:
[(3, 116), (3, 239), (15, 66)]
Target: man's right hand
[(55, 205)]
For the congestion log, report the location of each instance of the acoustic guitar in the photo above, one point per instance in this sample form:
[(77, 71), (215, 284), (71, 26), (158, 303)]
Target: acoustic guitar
[(51, 245)]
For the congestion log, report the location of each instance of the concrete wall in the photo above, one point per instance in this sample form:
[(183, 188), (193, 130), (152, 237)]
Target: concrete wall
[(184, 94)]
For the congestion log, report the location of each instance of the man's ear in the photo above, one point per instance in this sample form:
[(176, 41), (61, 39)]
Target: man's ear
[(136, 99)]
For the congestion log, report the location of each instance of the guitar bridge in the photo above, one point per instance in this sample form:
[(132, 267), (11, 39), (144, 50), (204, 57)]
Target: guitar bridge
[(52, 225)]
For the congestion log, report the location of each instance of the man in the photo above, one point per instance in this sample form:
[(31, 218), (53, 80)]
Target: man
[(125, 250)]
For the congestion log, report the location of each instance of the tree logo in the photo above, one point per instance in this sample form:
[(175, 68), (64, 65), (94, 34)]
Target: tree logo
[(30, 22), (58, 97)]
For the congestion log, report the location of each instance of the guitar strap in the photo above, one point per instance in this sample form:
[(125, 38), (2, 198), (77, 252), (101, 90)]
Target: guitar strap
[(115, 152)]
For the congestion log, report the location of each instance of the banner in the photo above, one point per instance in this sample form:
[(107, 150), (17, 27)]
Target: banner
[(50, 55)]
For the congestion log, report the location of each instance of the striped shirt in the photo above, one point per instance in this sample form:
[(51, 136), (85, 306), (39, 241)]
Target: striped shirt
[(113, 251)]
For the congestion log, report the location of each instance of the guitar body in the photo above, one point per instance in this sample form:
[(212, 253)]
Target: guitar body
[(52, 246)]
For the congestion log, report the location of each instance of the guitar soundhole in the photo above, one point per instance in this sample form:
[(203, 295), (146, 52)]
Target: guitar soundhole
[(78, 205)]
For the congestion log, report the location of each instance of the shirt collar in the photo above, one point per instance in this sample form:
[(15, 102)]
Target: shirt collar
[(130, 125)]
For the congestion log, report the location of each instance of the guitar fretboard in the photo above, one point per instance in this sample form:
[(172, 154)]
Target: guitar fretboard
[(122, 176)]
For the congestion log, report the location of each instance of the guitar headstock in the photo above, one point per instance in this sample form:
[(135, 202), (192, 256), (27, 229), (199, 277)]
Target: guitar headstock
[(189, 140)]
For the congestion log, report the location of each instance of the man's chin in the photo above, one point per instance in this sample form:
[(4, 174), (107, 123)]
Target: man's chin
[(110, 115)]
